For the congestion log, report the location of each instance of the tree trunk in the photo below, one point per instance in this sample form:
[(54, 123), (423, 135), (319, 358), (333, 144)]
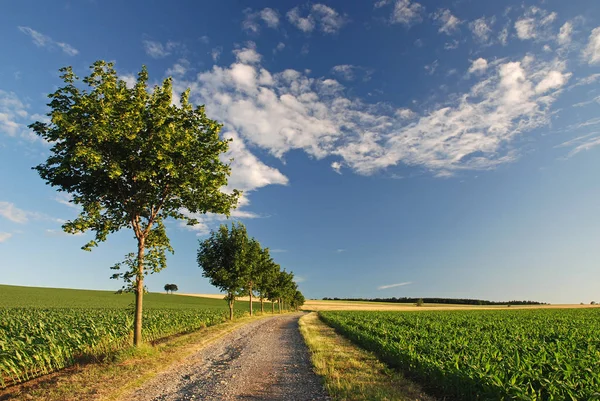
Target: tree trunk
[(231, 301), (279, 305), (139, 294), (272, 307), (250, 293), (262, 306)]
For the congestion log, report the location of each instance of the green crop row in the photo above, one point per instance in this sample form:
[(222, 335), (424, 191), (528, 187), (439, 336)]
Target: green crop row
[(539, 354), (37, 341)]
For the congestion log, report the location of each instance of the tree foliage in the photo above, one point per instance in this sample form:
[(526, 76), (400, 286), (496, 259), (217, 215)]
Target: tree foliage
[(132, 158)]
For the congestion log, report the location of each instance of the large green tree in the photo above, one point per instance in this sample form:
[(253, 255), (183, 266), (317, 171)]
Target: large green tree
[(132, 158), (222, 257)]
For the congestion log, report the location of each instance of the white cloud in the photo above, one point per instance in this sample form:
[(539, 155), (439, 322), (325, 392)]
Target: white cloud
[(430, 68), (337, 167), (270, 16), (326, 18), (384, 287), (286, 110), (340, 250), (405, 114), (252, 21), (482, 29), (582, 143), (448, 22), (407, 13), (503, 37), (178, 69), (478, 66), (65, 199), (4, 236), (10, 212), (591, 53), (280, 46), (215, 53), (205, 39), (42, 40), (248, 54), (351, 72), (553, 80), (535, 24), (157, 50), (564, 35), (130, 79), (12, 112), (451, 45)]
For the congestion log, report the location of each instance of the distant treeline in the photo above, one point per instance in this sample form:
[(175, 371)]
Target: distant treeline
[(461, 301)]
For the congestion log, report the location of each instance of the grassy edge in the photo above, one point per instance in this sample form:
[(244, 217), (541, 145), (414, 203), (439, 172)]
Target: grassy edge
[(126, 371), (351, 373)]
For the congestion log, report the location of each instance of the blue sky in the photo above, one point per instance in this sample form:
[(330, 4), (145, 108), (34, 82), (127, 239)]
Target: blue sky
[(385, 148)]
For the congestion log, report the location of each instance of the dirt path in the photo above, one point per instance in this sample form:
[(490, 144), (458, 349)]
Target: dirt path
[(263, 360)]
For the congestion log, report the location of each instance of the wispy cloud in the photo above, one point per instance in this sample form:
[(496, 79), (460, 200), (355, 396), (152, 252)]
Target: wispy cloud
[(340, 250), (10, 212), (253, 20), (41, 40), (157, 50), (384, 287), (4, 236), (277, 250)]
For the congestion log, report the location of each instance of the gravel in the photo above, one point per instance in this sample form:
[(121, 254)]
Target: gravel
[(263, 360)]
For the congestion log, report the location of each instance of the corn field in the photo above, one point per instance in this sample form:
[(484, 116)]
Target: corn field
[(537, 354), (37, 341)]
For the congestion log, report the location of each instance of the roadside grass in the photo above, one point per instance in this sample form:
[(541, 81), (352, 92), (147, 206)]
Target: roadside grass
[(351, 373), (122, 373)]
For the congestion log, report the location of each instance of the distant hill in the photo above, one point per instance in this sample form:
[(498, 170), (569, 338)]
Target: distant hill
[(12, 296), (450, 301)]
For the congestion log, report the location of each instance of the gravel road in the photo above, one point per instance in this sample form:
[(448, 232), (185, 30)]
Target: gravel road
[(263, 360)]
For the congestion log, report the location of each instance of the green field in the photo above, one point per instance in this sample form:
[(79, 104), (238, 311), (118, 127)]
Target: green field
[(537, 354), (45, 329)]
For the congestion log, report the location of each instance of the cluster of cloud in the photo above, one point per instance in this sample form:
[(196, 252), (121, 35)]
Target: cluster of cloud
[(286, 110), (320, 16), (47, 42)]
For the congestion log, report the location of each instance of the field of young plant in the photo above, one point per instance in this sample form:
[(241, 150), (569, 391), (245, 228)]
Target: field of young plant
[(58, 327), (537, 354)]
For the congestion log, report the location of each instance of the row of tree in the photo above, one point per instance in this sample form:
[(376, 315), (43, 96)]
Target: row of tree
[(453, 301), (238, 265), (131, 157)]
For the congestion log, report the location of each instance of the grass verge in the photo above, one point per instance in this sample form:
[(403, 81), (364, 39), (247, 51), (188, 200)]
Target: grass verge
[(121, 373), (351, 373)]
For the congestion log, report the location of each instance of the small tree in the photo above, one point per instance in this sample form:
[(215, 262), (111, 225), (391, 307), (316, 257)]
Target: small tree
[(266, 274), (252, 255), (171, 287), (223, 261), (419, 302), (132, 159)]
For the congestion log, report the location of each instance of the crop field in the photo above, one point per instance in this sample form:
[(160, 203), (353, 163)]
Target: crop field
[(538, 354), (46, 329)]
